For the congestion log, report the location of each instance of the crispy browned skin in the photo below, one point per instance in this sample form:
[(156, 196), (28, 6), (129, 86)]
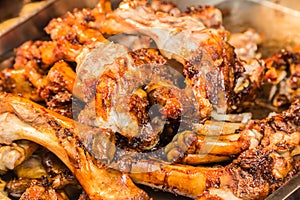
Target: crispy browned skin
[(57, 91), (39, 65), (228, 83), (15, 81), (59, 135), (42, 169), (283, 71), (70, 34), (62, 75), (54, 88), (77, 28), (274, 159), (40, 74), (165, 6), (39, 192), (211, 67), (25, 188), (256, 173), (131, 100), (37, 57)]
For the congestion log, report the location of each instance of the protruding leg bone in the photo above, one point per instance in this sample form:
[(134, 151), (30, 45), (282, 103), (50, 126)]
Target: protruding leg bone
[(58, 134)]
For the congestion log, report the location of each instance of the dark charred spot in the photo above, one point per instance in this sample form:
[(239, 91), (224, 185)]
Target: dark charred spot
[(147, 56), (193, 66), (89, 17), (279, 125), (169, 99), (295, 58), (190, 70), (213, 179), (281, 100), (38, 61), (138, 107), (61, 103), (7, 84), (67, 138), (197, 9), (72, 38)]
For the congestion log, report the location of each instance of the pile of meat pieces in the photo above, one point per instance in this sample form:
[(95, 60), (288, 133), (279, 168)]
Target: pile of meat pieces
[(47, 72)]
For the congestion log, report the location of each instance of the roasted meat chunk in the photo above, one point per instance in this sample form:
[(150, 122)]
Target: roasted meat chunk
[(58, 134), (151, 95)]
